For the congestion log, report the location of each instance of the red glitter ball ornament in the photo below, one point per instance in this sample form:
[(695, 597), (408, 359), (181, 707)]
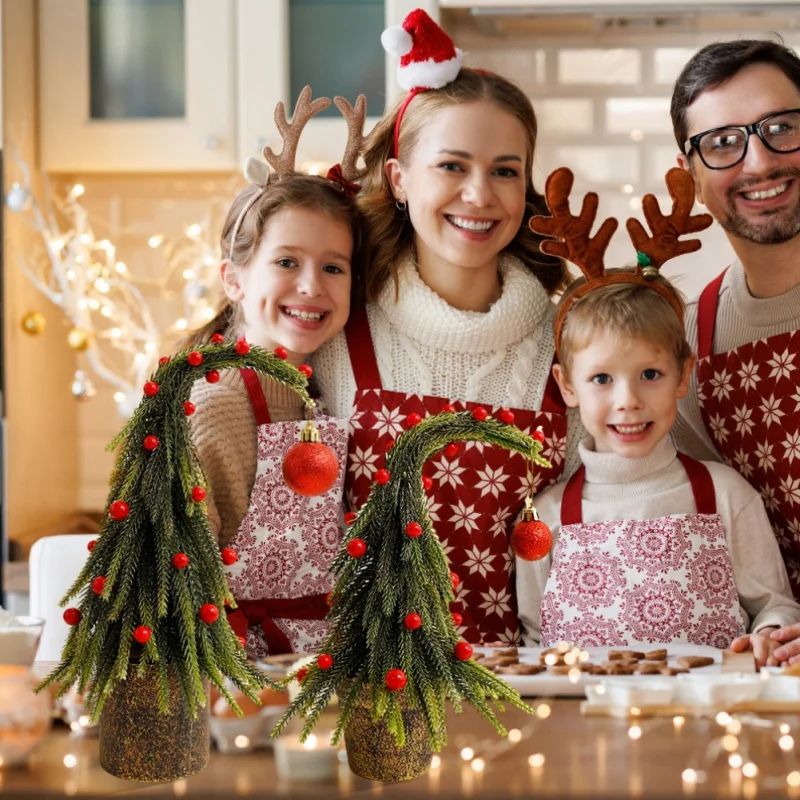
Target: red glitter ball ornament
[(217, 338), (209, 613), (479, 413), (72, 616), (413, 622), (98, 584), (198, 494), (356, 547), (427, 483), (531, 539), (142, 634), (241, 347), (395, 680), (118, 510), (302, 674), (506, 417), (447, 408), (306, 370), (413, 419), (195, 358), (188, 408), (538, 434), (281, 352), (350, 517), (413, 529), (150, 442), (324, 661), (454, 579), (212, 376), (90, 545), (180, 561), (229, 556), (163, 360), (451, 451), (310, 467), (382, 477), (151, 388), (463, 651), (457, 618)]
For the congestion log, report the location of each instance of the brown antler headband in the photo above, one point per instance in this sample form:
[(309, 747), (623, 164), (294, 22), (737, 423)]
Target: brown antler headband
[(587, 252)]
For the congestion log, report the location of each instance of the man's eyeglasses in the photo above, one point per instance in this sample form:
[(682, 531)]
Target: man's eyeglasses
[(721, 148)]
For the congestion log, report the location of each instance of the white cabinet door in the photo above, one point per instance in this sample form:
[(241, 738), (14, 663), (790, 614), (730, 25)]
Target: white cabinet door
[(130, 86)]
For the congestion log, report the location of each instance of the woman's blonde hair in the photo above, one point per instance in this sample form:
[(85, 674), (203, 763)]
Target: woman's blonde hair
[(628, 310), (391, 229), (298, 191)]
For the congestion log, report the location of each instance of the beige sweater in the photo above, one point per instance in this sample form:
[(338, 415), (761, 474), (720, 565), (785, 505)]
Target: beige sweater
[(225, 435), (741, 318), (653, 487)]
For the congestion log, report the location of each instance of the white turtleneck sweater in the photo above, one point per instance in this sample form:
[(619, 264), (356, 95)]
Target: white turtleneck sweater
[(656, 486), (425, 346), (741, 319)]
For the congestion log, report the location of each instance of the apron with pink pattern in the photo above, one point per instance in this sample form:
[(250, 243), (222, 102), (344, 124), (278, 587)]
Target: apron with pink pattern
[(750, 401), (660, 580), (286, 542), (476, 493)]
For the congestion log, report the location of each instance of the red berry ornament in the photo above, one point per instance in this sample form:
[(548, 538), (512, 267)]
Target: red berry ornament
[(356, 547), (151, 388), (454, 579), (209, 613), (198, 494), (413, 529), (150, 442), (538, 434), (413, 419), (281, 352), (382, 477), (72, 616), (90, 545), (118, 510), (457, 618), (188, 408), (350, 517), (427, 483), (413, 622), (479, 413), (163, 360), (531, 539), (463, 651), (180, 561), (448, 409), (212, 376), (242, 641), (217, 338), (389, 445), (241, 347), (195, 358), (98, 584), (395, 680), (229, 556), (324, 661), (306, 370), (310, 467), (302, 674), (451, 451), (142, 634), (506, 417)]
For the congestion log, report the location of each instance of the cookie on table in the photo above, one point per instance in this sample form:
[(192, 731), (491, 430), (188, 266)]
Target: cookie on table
[(693, 662)]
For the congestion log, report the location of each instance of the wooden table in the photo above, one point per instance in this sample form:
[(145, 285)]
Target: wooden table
[(587, 757)]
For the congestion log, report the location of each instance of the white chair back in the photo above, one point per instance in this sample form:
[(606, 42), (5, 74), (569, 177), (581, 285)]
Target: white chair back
[(54, 563)]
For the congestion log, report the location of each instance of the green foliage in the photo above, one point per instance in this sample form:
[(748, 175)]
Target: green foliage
[(396, 576), (142, 586)]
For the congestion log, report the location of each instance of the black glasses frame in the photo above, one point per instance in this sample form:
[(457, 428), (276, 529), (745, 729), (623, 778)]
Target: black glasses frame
[(753, 128)]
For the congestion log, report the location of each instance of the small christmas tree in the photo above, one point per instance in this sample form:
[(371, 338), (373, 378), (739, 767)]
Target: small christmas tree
[(153, 588), (392, 635)]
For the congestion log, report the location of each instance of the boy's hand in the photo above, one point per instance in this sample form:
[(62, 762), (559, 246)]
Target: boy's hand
[(762, 645), (788, 637)]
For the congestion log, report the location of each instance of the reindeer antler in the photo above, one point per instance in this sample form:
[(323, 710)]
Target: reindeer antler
[(290, 132), (355, 116), (577, 246), (664, 243)]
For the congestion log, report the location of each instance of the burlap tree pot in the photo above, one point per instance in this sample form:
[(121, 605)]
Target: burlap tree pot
[(139, 743)]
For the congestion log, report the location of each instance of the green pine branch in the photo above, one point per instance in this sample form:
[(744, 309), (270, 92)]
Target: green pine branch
[(396, 576), (142, 587)]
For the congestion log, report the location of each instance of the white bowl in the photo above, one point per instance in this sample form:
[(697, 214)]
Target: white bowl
[(19, 640), (774, 686), (717, 690), (642, 690)]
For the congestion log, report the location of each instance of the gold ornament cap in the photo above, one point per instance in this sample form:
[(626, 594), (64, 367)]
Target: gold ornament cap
[(309, 433)]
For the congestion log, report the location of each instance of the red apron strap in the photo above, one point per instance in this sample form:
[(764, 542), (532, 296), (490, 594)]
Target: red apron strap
[(265, 612), (571, 505), (362, 350), (707, 316), (553, 402), (705, 497), (257, 399)]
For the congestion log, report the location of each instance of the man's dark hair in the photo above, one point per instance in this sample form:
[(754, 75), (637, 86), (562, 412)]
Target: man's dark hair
[(716, 63)]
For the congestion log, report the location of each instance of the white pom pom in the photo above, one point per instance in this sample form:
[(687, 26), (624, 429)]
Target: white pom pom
[(256, 171), (397, 41)]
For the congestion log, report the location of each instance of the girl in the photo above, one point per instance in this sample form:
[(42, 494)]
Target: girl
[(458, 310), (291, 249)]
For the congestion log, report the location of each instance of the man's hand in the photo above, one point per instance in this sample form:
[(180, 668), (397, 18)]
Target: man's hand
[(762, 644), (788, 637)]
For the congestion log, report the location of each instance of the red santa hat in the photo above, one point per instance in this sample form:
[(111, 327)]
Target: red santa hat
[(429, 60)]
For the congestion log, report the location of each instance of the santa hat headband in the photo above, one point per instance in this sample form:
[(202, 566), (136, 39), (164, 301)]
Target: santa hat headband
[(428, 59)]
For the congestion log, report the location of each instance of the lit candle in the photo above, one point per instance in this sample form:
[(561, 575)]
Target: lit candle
[(312, 760)]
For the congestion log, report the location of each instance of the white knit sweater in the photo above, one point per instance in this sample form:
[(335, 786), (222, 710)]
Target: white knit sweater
[(741, 318), (425, 346), (655, 486)]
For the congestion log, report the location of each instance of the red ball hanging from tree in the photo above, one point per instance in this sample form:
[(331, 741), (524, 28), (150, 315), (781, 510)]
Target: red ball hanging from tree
[(209, 613), (195, 358), (180, 561), (72, 616), (98, 584), (324, 661), (119, 510), (531, 539), (142, 634), (242, 347), (310, 467), (395, 680), (90, 545), (356, 547), (463, 651), (413, 621), (229, 556), (218, 338)]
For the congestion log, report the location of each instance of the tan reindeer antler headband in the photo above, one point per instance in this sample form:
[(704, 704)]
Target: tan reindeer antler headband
[(343, 175), (587, 252)]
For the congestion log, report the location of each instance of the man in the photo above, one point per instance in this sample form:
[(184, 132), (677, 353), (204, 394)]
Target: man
[(736, 117)]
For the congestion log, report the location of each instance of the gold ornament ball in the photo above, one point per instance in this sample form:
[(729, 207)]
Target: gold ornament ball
[(33, 323), (78, 339)]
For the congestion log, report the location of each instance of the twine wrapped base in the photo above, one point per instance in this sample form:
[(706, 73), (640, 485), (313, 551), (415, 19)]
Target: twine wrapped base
[(372, 751), (140, 744)]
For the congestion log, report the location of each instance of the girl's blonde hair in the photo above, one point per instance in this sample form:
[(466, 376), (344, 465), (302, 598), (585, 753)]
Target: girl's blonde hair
[(391, 229), (629, 310), (297, 191)]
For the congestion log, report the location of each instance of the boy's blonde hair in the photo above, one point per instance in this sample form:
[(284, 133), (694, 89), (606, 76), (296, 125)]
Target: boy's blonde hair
[(629, 310), (391, 229)]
